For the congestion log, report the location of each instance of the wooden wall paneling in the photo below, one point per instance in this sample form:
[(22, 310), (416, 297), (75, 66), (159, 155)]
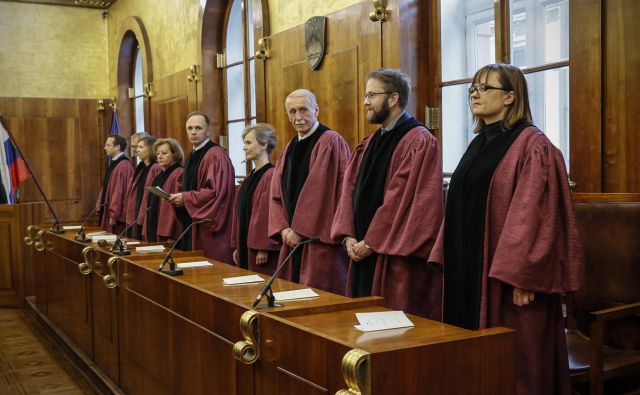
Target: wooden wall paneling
[(622, 82), (10, 265), (173, 101), (585, 91)]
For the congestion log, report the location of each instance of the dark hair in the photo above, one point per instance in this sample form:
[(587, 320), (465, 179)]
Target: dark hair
[(174, 145), (510, 77), (203, 115), (393, 80), (149, 141), (119, 140), (264, 133)]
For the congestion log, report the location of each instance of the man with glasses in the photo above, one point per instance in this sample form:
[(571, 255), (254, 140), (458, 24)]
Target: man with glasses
[(111, 199), (305, 189), (391, 206)]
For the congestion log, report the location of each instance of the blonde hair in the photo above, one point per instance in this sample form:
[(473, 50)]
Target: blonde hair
[(511, 78), (265, 134), (174, 146)]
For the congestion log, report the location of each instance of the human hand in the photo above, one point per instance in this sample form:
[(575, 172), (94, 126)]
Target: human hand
[(522, 298), (261, 257), (176, 199)]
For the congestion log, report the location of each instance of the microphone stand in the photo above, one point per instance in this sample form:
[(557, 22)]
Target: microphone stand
[(173, 271), (81, 236), (122, 248), (266, 290)]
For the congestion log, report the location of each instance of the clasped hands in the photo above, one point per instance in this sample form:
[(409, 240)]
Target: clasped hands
[(290, 237), (357, 250), (522, 297)]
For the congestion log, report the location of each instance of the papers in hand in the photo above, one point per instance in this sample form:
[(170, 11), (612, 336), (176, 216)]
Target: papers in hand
[(253, 278), (150, 248), (382, 320), (295, 294), (159, 192), (194, 264)]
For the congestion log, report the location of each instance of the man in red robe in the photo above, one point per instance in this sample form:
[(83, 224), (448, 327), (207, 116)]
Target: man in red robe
[(305, 189), (391, 206), (111, 198), (207, 192)]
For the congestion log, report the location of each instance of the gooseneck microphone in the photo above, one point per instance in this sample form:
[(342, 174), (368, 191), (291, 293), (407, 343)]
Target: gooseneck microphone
[(118, 243), (267, 287), (81, 236), (172, 271)]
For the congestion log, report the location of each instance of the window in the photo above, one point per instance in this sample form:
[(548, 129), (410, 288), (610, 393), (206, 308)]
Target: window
[(240, 80), (138, 93), (538, 43)]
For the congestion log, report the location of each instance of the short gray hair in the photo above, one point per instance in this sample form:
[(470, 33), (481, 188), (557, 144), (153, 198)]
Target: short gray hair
[(302, 93)]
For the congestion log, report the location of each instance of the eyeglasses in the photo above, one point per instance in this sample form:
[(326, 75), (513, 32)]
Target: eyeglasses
[(483, 88), (371, 95)]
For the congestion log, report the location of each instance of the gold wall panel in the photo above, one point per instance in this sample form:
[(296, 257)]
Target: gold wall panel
[(286, 14), (52, 52)]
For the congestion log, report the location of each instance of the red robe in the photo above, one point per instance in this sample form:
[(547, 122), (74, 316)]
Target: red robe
[(213, 199), (530, 242), (324, 264), (169, 226), (405, 227), (116, 196), (131, 194), (257, 235)]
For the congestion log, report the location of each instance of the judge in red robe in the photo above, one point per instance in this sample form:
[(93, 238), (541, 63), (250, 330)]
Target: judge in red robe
[(207, 192), (162, 222), (143, 175), (254, 250), (511, 246), (304, 195), (391, 206), (112, 195)]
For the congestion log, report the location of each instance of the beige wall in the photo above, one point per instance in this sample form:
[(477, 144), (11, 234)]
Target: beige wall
[(286, 14), (52, 52)]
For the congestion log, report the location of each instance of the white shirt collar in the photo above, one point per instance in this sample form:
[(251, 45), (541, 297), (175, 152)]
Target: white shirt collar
[(310, 132), (117, 156), (202, 144)]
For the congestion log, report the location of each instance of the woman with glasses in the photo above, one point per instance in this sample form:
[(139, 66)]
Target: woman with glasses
[(510, 241), (253, 249)]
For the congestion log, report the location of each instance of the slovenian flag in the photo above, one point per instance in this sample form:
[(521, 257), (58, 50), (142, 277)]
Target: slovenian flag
[(13, 170)]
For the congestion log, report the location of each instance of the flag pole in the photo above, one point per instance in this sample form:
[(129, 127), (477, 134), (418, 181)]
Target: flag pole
[(56, 227)]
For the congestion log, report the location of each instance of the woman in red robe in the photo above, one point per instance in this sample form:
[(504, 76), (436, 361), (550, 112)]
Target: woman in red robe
[(144, 174), (161, 222), (253, 249), (511, 245)]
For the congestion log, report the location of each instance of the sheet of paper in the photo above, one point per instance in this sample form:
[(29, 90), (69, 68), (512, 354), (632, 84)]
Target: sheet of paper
[(154, 248), (382, 320), (96, 238), (253, 278), (194, 264), (72, 227), (295, 294), (132, 243), (100, 232)]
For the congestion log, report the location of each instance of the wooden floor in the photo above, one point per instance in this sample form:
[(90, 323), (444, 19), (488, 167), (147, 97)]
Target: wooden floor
[(30, 362)]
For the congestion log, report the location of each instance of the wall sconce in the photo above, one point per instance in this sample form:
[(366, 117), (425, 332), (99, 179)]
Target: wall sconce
[(380, 13), (263, 52), (100, 105), (194, 73)]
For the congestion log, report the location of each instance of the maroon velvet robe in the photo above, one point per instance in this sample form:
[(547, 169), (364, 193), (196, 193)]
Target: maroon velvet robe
[(324, 264), (213, 199), (169, 226), (257, 235), (131, 194), (405, 227), (116, 196), (530, 242)]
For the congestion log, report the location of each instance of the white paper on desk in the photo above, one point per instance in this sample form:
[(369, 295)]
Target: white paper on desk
[(97, 238), (382, 320), (132, 243), (100, 232), (295, 294), (149, 248), (194, 264), (72, 227), (253, 278)]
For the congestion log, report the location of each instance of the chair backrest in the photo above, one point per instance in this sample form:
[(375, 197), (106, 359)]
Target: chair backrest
[(610, 235)]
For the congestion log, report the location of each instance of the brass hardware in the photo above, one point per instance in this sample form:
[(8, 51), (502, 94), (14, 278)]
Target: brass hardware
[(248, 351), (100, 105), (356, 372), (111, 279), (87, 266), (572, 183), (432, 117), (194, 73), (147, 89), (39, 241), (380, 13), (131, 93), (28, 239), (113, 103), (263, 52), (221, 61)]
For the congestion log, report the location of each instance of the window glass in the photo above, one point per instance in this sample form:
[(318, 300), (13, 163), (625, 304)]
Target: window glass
[(139, 94), (457, 130), (252, 82), (235, 148), (250, 47), (234, 34), (235, 92)]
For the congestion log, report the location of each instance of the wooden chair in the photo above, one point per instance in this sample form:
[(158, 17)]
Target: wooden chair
[(607, 307)]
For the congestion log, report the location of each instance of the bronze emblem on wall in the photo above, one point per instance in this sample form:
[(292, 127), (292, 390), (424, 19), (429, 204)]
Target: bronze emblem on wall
[(314, 40)]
